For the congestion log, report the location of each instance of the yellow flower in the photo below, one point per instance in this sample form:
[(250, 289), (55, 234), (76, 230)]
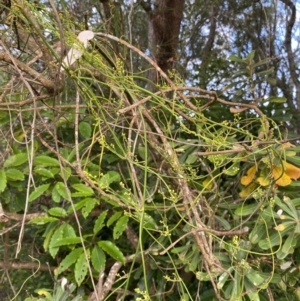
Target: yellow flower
[(280, 227), (284, 173), (248, 190), (246, 180)]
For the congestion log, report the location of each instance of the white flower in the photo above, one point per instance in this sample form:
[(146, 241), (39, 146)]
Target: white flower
[(74, 53)]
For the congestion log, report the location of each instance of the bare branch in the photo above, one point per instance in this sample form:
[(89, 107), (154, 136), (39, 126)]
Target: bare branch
[(38, 37), (47, 83), (25, 266)]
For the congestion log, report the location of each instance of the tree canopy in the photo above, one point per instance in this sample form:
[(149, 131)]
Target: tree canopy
[(149, 150)]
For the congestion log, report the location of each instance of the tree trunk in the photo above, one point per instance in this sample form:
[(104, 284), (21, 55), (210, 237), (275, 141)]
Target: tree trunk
[(163, 32)]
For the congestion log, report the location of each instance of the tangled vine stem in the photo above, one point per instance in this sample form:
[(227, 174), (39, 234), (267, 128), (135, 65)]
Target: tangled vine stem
[(212, 231), (140, 124)]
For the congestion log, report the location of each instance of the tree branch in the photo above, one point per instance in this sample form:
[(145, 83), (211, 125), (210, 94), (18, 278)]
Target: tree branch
[(103, 289), (25, 266), (38, 36), (47, 83)]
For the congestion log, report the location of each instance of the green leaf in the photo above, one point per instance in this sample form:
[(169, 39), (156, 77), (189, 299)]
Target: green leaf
[(277, 99), (257, 233), (57, 211), (296, 202), (257, 278), (267, 214), (111, 158), (98, 258), (85, 129), (262, 62), (266, 72), (3, 181), (54, 170), (223, 278), (78, 194), (16, 160), (89, 206), (191, 159), (237, 287), (294, 160), (289, 244), (125, 196), (202, 276), (62, 190), (235, 58), (38, 192), (65, 173), (288, 207), (66, 241), (297, 228), (271, 81), (56, 236), (65, 231), (64, 152), (108, 178), (250, 56), (223, 222), (251, 291), (275, 239), (235, 292), (113, 218), (78, 205), (42, 220), (55, 195), (45, 161), (276, 278), (245, 210), (293, 210), (194, 262), (68, 231), (83, 189), (232, 170), (50, 229), (41, 292), (112, 250), (14, 175), (81, 269), (72, 154), (182, 249), (99, 223), (148, 220), (142, 151), (69, 260), (44, 172), (120, 227)]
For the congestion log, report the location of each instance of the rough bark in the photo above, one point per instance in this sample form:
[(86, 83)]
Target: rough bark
[(164, 26), (163, 32), (206, 53), (291, 56)]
